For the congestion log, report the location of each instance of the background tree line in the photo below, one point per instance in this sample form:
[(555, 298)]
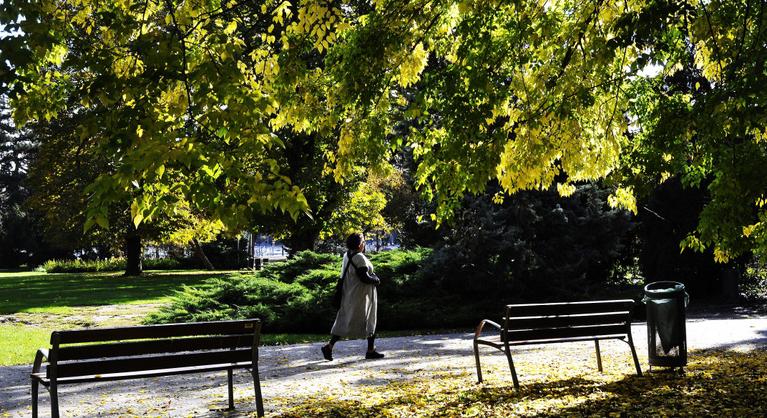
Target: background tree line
[(536, 243), (214, 117)]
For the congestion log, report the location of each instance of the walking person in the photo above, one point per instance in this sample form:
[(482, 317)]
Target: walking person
[(358, 312)]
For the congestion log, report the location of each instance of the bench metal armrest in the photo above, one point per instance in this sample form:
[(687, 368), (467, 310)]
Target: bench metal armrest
[(41, 354), (481, 325)]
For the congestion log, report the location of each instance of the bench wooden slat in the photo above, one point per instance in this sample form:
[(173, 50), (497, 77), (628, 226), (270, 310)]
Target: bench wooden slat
[(134, 364), (569, 332), (154, 331), (568, 308), (134, 348), (590, 338), (555, 321), (142, 374)]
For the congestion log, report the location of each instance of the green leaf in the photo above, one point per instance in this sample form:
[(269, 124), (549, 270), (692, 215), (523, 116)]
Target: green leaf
[(102, 221), (89, 222), (137, 219)]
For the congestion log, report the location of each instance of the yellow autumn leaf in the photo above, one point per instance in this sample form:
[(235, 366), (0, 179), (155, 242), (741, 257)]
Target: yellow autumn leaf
[(230, 28), (566, 189), (623, 197), (412, 65)]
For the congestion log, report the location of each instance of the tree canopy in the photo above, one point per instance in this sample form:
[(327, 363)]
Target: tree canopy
[(186, 98)]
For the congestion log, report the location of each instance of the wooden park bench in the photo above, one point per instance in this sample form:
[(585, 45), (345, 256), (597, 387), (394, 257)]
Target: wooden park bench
[(105, 354), (544, 323)]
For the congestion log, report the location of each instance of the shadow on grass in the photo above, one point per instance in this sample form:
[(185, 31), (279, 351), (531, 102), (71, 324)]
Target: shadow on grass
[(723, 383), (25, 292)]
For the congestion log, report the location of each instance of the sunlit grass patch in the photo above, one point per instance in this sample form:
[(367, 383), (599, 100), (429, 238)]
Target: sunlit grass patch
[(18, 343), (57, 310), (55, 293), (40, 303), (724, 383), (283, 339)]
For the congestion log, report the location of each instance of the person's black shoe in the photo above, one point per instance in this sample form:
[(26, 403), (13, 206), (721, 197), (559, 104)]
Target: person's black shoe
[(372, 355), (327, 352)]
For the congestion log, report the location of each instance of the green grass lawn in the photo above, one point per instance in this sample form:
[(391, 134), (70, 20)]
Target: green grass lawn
[(52, 301), (57, 297), (58, 292), (18, 343), (49, 300)]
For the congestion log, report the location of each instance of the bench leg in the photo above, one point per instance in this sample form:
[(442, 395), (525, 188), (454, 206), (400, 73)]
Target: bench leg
[(634, 354), (511, 367), (257, 386), (476, 357), (231, 388), (599, 356), (35, 395), (54, 390)]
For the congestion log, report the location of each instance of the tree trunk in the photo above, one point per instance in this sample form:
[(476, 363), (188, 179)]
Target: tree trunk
[(302, 238), (730, 279), (133, 266), (201, 255)]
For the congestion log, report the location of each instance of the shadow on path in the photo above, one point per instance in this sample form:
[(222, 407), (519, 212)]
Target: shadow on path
[(295, 373), (717, 383)]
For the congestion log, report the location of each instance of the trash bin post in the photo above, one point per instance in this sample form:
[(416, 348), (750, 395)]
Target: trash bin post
[(666, 330)]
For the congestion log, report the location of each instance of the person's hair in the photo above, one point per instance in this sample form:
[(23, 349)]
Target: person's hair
[(353, 241)]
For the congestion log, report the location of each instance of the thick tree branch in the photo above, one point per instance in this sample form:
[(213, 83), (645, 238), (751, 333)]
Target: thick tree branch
[(571, 48), (713, 39), (741, 42), (184, 75)]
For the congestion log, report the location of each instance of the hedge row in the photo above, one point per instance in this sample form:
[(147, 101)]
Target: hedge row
[(110, 264)]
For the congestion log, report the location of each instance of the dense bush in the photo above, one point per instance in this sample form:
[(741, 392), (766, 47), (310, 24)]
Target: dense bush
[(753, 284), (671, 212), (239, 297), (224, 254), (82, 266), (110, 264), (164, 264), (303, 263), (288, 296), (294, 296), (535, 246)]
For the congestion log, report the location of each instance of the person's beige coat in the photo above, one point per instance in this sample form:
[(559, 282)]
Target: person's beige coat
[(359, 305)]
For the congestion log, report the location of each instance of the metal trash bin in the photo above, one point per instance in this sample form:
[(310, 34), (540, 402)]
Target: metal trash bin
[(666, 331)]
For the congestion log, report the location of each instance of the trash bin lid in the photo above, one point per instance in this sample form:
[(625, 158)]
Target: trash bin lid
[(662, 290)]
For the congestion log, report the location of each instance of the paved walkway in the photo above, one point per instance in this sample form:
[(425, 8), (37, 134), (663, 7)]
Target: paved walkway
[(292, 373)]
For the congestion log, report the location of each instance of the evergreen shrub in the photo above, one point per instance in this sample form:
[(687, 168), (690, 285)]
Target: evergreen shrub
[(538, 248), (294, 296)]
